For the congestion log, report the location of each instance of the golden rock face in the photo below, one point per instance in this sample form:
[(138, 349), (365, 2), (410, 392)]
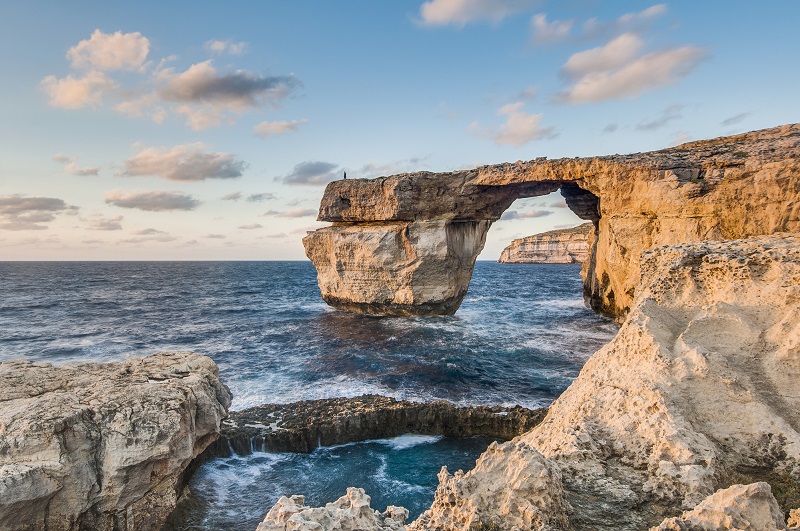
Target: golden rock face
[(407, 243)]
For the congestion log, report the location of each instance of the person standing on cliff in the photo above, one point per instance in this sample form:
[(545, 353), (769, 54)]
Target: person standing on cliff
[(345, 176)]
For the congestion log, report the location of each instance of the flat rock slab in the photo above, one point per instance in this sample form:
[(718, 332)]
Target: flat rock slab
[(103, 446)]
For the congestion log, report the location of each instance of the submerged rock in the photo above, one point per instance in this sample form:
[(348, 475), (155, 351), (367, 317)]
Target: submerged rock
[(564, 246), (103, 446), (407, 244), (306, 425)]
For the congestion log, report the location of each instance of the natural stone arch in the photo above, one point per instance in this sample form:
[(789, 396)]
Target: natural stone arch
[(406, 244)]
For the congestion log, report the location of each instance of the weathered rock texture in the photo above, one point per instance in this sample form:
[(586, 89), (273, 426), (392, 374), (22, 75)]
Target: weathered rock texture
[(740, 507), (698, 387), (511, 487), (103, 446), (407, 243), (304, 426), (351, 512), (564, 246)]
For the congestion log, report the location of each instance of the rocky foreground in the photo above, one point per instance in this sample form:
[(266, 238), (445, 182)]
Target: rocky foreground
[(407, 244), (563, 246), (688, 419), (103, 446)]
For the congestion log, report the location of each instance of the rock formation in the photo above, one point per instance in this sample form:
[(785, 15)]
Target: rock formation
[(564, 246), (740, 507), (407, 244), (304, 426), (697, 392), (351, 512), (103, 446)]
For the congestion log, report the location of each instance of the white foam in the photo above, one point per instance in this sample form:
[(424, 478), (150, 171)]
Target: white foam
[(409, 440)]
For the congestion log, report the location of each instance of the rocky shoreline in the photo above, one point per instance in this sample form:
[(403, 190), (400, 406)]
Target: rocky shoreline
[(563, 246), (307, 425)]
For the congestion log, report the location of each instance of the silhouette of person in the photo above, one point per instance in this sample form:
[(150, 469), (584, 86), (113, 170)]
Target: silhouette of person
[(345, 176)]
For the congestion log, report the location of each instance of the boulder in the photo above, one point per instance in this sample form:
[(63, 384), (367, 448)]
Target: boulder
[(103, 446)]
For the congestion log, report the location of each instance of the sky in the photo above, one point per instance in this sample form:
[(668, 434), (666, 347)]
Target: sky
[(208, 130)]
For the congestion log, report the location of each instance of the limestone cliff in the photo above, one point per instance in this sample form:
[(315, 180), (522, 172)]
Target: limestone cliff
[(697, 392), (407, 243), (564, 246), (103, 446)]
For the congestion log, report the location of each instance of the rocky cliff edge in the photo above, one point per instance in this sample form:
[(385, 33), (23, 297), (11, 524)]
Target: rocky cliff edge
[(103, 446)]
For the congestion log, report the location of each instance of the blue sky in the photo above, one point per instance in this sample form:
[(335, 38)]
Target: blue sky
[(207, 130)]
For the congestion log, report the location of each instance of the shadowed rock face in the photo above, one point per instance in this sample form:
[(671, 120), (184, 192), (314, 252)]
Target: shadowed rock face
[(406, 244)]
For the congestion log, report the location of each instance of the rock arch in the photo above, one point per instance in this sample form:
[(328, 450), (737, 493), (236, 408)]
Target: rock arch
[(407, 244)]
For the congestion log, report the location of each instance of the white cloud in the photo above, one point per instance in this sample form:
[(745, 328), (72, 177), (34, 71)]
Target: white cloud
[(461, 12), (377, 169), (71, 166), (312, 173), (265, 129), (103, 223), (519, 128), (250, 226), (513, 214), (205, 96), (233, 196), (616, 70), (671, 113), (733, 120), (110, 51), (293, 213), (185, 162), (614, 54), (228, 46), (72, 92), (159, 201), (260, 198), (28, 213), (637, 22), (545, 32)]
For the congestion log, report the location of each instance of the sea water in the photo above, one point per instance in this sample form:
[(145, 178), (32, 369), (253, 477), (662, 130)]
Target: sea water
[(520, 337)]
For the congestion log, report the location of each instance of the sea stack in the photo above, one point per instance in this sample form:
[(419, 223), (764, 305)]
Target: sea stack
[(563, 246)]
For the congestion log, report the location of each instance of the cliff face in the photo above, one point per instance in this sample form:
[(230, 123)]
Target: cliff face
[(696, 395), (103, 446), (565, 246), (407, 243), (696, 392)]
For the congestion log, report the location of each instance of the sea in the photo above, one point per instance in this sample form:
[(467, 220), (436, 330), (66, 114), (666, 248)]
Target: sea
[(521, 336)]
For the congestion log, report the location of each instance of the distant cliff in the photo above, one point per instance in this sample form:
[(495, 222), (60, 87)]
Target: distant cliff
[(565, 246)]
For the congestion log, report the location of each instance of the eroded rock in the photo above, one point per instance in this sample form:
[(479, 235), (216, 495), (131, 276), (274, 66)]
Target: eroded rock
[(103, 446), (512, 487), (564, 246), (407, 243), (350, 512), (739, 507)]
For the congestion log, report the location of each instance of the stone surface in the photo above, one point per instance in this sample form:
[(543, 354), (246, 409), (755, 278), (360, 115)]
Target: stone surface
[(103, 446), (564, 246), (739, 507), (304, 426), (407, 243), (512, 487), (351, 512), (699, 386)]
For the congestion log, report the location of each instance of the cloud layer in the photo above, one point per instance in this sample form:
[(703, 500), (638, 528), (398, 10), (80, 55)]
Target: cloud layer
[(201, 94), (618, 69), (312, 173), (461, 12), (28, 213), (185, 162), (158, 201)]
